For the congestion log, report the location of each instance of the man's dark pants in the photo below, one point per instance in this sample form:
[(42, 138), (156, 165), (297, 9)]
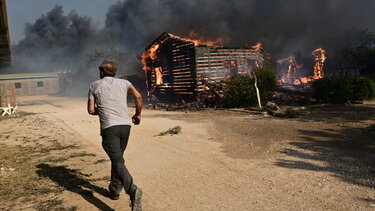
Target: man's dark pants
[(115, 140)]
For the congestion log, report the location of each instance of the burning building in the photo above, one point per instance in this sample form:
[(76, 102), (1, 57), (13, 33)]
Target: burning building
[(176, 68), (290, 77)]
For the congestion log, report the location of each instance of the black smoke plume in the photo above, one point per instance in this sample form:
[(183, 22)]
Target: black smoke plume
[(283, 26), (53, 42)]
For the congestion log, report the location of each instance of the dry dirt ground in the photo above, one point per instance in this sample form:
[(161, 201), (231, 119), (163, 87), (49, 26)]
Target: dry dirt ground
[(222, 160)]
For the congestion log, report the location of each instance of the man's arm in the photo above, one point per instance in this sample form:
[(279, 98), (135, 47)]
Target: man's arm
[(91, 109), (138, 104)]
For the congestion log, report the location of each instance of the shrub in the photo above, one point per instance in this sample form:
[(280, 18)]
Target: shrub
[(266, 81), (333, 90), (240, 92), (171, 131), (321, 89), (363, 88), (343, 89)]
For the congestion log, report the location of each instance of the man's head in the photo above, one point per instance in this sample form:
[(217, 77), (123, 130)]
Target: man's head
[(108, 68)]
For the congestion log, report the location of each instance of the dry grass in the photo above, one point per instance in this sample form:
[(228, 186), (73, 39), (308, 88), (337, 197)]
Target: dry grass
[(171, 131), (28, 174), (81, 154), (54, 204), (20, 171), (101, 161), (15, 115)]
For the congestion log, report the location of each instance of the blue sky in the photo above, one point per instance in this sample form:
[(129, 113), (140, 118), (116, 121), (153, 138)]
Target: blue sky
[(23, 11)]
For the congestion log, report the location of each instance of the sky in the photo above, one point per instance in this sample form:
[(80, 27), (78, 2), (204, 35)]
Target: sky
[(27, 11)]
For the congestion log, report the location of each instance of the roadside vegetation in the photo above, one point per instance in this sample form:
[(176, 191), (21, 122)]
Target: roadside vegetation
[(240, 91), (171, 131), (342, 90), (34, 172), (19, 181)]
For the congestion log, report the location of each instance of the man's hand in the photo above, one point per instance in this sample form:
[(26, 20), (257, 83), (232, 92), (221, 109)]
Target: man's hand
[(136, 119)]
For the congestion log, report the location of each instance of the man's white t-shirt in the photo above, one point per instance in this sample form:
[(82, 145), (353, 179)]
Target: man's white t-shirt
[(110, 95)]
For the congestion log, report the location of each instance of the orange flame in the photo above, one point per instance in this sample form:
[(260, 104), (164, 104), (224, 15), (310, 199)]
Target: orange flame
[(319, 57), (290, 76), (200, 40), (159, 75), (257, 47), (151, 54)]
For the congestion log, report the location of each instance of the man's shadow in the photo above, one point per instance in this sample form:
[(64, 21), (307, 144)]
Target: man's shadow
[(70, 180)]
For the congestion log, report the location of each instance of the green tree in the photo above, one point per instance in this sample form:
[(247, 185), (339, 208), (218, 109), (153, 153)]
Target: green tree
[(266, 81)]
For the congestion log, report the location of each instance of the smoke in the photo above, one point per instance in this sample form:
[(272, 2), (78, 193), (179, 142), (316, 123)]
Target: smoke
[(284, 27), (53, 42)]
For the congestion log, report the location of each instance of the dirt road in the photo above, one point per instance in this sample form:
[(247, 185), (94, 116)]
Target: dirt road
[(229, 161)]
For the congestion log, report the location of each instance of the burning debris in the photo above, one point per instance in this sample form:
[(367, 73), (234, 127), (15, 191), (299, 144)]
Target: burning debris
[(320, 57), (182, 69), (291, 78)]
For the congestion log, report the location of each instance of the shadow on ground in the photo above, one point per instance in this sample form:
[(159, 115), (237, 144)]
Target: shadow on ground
[(72, 180), (343, 113), (347, 151)]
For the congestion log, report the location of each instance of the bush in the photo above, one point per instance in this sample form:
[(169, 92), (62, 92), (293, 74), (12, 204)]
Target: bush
[(240, 92), (343, 89), (266, 81), (171, 131), (363, 88), (333, 90)]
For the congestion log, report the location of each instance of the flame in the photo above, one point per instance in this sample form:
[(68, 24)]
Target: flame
[(290, 76), (305, 80), (319, 57), (257, 64), (297, 82), (200, 40), (151, 53), (257, 47), (159, 75)]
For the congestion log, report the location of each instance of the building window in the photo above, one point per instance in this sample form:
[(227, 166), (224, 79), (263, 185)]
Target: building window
[(17, 85), (232, 68), (39, 84)]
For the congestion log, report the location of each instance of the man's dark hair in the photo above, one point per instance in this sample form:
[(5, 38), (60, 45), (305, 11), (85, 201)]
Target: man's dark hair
[(108, 68)]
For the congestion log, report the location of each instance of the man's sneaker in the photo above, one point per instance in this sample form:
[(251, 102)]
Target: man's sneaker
[(114, 196), (135, 200)]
